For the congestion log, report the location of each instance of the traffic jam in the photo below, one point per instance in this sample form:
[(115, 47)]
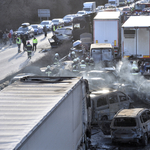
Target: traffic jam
[(110, 48)]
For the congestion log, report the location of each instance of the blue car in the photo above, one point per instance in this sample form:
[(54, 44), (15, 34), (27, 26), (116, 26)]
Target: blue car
[(38, 29)]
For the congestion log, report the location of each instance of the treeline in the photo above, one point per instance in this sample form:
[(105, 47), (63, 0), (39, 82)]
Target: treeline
[(15, 12)]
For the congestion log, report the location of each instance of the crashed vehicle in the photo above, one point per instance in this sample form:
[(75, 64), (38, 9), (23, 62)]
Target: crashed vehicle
[(131, 125), (105, 104), (61, 35), (103, 54)]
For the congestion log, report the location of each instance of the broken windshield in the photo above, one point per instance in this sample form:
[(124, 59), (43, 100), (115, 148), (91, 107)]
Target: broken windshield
[(125, 122)]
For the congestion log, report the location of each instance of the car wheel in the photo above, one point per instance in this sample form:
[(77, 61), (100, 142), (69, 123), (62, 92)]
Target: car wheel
[(145, 140), (113, 141), (104, 118)]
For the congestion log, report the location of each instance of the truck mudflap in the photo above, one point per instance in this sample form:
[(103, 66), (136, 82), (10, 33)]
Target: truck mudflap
[(104, 125)]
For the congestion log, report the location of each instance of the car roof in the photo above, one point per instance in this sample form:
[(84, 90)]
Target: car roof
[(25, 24), (105, 91), (46, 20), (129, 112)]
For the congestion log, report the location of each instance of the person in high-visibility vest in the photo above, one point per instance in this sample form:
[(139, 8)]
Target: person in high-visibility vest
[(82, 66), (48, 71), (35, 41), (29, 50), (18, 42)]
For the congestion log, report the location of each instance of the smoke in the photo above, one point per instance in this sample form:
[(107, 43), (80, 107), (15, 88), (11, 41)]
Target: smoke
[(131, 83)]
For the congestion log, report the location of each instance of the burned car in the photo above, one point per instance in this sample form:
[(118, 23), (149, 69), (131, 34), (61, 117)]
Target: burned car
[(106, 103), (131, 125)]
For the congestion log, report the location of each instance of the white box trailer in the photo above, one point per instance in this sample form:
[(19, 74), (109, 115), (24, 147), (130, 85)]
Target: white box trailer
[(43, 114), (136, 37), (107, 29)]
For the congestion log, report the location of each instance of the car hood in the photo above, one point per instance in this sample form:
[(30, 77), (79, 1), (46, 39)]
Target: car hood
[(21, 32)]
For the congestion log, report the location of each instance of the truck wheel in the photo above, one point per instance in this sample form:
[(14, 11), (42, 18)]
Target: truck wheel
[(145, 140)]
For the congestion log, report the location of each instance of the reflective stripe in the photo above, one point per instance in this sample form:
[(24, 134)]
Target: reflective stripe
[(83, 66), (35, 41), (18, 42)]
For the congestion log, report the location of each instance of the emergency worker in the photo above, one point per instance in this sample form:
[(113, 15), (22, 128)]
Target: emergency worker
[(87, 63), (48, 70), (135, 68), (72, 55), (91, 63), (18, 42), (35, 41), (75, 66), (82, 65), (29, 49), (56, 59)]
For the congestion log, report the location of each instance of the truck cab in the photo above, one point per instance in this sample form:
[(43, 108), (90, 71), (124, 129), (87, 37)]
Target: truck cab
[(89, 7), (102, 53)]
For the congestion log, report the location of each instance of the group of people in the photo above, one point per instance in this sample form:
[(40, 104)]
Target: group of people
[(26, 45), (82, 65), (5, 35)]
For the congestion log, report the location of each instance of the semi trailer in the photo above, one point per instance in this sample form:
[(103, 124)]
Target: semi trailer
[(45, 113)]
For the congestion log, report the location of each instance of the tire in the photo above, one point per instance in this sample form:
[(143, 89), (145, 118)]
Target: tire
[(145, 140), (104, 118), (113, 141)]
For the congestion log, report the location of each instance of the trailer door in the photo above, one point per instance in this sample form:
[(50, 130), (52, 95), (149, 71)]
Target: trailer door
[(106, 54), (97, 55)]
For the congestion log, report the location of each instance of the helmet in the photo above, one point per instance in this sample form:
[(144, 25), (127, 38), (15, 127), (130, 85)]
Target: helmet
[(28, 42), (91, 58), (56, 54), (48, 66), (82, 61), (75, 60), (73, 53), (87, 59), (134, 62)]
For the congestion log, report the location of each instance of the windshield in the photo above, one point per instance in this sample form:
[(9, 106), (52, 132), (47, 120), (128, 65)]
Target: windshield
[(55, 20), (86, 9), (67, 19), (112, 2), (125, 122), (23, 29), (43, 23), (121, 0), (34, 26), (139, 7), (80, 12), (126, 9)]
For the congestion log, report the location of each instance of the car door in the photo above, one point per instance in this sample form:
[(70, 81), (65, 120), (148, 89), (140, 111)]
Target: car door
[(113, 104), (101, 107), (124, 101), (145, 120)]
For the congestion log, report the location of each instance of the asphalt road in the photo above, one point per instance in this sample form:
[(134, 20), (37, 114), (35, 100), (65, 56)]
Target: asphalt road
[(11, 61)]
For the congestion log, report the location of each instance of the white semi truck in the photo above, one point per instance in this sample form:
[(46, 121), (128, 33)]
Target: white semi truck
[(136, 37), (107, 29), (114, 2), (89, 7), (43, 113)]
